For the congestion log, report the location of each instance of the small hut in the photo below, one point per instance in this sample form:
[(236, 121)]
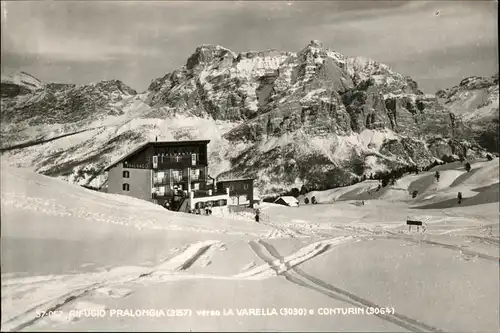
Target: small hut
[(287, 201)]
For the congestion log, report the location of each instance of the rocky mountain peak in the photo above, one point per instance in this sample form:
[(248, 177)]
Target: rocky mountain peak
[(314, 51), (115, 86), (60, 102), (316, 43), (468, 84), (205, 54), (475, 82)]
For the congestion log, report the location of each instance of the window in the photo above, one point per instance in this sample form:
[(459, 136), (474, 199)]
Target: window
[(195, 174), (177, 175), (245, 186), (126, 174), (126, 187), (220, 203)]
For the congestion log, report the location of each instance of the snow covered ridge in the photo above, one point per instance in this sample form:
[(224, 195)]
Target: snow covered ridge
[(474, 102), (24, 79), (19, 84), (64, 103), (469, 83)]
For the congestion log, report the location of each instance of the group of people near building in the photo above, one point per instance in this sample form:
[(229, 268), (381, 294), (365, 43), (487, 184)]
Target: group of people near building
[(313, 200), (202, 208), (199, 209)]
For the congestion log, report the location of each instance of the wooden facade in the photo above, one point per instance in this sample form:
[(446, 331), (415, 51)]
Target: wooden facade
[(240, 190), (170, 155), (175, 168)]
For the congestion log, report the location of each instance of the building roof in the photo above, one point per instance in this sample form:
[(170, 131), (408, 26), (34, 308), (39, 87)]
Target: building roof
[(288, 199), (154, 144)]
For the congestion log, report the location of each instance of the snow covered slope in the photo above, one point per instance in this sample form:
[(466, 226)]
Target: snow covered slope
[(71, 251), (478, 186), (18, 84)]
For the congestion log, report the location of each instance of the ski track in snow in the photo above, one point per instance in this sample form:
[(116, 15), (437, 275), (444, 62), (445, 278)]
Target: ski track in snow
[(65, 285), (277, 267), (269, 254), (173, 269), (176, 268)]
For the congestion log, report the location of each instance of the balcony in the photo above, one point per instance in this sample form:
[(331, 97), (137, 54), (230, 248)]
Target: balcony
[(180, 179), (204, 193), (165, 180), (168, 194), (196, 194), (158, 181), (200, 177), (180, 161)]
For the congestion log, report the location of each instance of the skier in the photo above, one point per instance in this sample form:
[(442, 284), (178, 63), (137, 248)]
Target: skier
[(257, 217)]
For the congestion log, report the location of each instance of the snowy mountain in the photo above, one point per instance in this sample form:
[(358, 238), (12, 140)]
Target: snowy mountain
[(19, 84), (475, 102), (285, 118), (65, 103)]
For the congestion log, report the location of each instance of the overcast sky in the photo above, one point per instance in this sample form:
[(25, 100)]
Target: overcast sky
[(437, 43)]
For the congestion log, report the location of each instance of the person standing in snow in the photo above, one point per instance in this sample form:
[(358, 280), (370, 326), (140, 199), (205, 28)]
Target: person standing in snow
[(208, 209), (257, 217)]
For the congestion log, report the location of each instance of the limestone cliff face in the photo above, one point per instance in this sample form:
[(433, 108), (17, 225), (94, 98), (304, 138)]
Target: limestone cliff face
[(314, 116), (474, 104), (217, 82), (317, 90)]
